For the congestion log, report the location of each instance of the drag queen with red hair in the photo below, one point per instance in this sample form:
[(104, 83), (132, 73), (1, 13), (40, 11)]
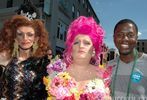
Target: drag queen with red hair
[(25, 41)]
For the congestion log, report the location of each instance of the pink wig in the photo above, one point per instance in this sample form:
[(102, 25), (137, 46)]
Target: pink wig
[(86, 26)]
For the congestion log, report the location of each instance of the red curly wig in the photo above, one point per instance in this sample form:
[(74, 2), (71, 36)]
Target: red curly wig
[(8, 34)]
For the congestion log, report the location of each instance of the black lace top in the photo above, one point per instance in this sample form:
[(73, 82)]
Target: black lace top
[(24, 80), (1, 81)]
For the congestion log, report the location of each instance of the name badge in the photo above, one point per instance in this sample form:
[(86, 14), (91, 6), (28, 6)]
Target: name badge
[(136, 77)]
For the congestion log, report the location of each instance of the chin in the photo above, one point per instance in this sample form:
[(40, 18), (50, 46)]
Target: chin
[(25, 47), (81, 57), (125, 52)]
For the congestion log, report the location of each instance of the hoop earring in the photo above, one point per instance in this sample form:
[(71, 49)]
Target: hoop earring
[(35, 47), (93, 53), (15, 49)]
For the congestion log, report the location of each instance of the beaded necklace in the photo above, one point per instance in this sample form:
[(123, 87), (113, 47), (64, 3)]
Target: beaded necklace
[(135, 53)]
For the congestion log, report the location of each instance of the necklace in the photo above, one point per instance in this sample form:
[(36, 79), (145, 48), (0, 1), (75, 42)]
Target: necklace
[(135, 53)]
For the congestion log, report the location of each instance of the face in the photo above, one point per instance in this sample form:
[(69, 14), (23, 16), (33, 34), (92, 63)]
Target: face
[(25, 37), (49, 53), (125, 38), (82, 47)]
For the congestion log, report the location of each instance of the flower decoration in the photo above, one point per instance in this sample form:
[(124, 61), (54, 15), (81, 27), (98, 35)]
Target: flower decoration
[(95, 89), (95, 85), (64, 87), (60, 85), (56, 66), (107, 75)]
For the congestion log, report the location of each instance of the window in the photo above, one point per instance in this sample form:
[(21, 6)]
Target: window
[(138, 48), (79, 1), (58, 30), (9, 3), (47, 8), (61, 30), (83, 2), (142, 43), (137, 43), (73, 11), (88, 11), (41, 1), (65, 31), (86, 6), (78, 13), (142, 49)]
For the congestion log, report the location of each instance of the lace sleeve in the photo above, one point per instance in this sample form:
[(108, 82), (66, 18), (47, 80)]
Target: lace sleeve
[(2, 68), (36, 64)]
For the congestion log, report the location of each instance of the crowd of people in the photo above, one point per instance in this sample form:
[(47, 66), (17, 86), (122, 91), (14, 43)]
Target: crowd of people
[(29, 71)]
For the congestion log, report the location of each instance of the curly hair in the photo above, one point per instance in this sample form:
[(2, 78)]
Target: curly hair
[(8, 33), (86, 26)]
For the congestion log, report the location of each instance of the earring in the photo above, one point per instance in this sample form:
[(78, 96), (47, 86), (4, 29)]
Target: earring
[(35, 47), (93, 53), (15, 49)]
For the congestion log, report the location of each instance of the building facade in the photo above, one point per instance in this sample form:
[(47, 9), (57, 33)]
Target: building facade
[(142, 45), (57, 15), (112, 54)]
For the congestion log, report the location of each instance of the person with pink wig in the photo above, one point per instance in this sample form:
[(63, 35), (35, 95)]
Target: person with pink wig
[(76, 76)]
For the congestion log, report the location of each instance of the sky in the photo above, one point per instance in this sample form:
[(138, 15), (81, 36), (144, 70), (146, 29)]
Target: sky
[(110, 12)]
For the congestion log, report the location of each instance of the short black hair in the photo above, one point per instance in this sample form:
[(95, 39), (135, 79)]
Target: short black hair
[(126, 21)]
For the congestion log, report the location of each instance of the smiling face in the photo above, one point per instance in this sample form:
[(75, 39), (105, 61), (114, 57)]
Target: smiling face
[(125, 38), (25, 37), (82, 47)]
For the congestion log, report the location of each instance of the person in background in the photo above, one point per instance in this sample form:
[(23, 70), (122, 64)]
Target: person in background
[(24, 40), (49, 53), (129, 75), (75, 77)]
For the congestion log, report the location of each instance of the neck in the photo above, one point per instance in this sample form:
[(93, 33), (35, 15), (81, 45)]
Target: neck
[(130, 57), (80, 64), (127, 58), (24, 54)]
